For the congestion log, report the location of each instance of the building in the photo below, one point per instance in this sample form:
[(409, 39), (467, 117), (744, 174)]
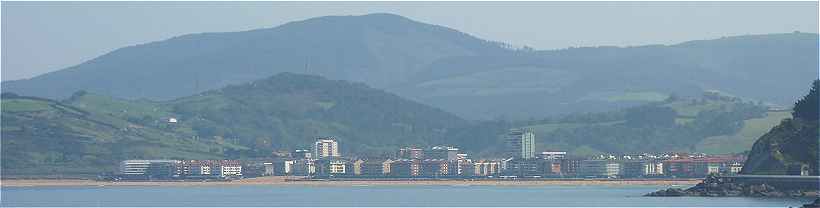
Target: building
[(697, 167), (301, 154), (302, 167), (229, 169), (553, 155), (369, 167), (405, 168), (569, 167), (357, 167), (434, 168), (332, 166), (486, 168), (150, 169), (326, 147), (411, 153), (599, 169), (523, 167), (134, 167), (443, 153), (387, 167), (549, 167), (269, 169), (520, 143)]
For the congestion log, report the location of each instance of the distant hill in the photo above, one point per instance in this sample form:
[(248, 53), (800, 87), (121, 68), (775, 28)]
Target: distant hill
[(445, 68), (88, 133), (714, 125), (288, 111), (791, 143), (767, 68)]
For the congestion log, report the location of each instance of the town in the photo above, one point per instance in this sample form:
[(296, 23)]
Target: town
[(324, 161)]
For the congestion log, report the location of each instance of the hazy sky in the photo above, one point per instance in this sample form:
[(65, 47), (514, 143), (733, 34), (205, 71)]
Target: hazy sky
[(39, 37)]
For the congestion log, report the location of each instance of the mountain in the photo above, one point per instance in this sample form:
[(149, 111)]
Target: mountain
[(767, 68), (445, 68), (378, 49), (791, 143), (88, 133)]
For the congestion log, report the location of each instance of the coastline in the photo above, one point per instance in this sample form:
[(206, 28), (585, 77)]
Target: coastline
[(281, 181)]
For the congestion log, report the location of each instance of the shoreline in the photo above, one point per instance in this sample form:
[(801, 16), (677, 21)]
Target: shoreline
[(290, 181)]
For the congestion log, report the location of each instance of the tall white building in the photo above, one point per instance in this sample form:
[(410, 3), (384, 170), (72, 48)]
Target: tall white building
[(326, 147), (520, 143)]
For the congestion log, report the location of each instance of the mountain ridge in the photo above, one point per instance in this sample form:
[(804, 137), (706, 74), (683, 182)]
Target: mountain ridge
[(443, 67)]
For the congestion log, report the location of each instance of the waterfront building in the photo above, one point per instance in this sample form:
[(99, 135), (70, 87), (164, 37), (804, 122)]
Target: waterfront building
[(357, 167), (569, 167), (520, 143), (331, 166), (325, 147), (486, 168), (371, 167), (434, 168), (406, 168), (269, 170), (599, 168), (229, 168), (134, 167), (523, 167), (387, 167), (549, 167), (697, 167), (303, 167), (443, 153)]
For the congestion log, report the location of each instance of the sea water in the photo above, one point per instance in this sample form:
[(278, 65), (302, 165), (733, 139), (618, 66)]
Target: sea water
[(374, 195)]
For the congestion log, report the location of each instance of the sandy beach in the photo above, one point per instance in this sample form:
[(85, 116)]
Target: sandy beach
[(281, 181)]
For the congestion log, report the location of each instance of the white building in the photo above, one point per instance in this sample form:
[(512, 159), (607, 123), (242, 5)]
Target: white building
[(520, 143), (337, 167), (139, 167), (230, 168), (553, 155), (326, 147), (134, 167)]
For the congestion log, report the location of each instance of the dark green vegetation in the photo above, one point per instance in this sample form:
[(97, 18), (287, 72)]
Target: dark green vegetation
[(445, 68), (90, 133), (792, 143), (289, 111)]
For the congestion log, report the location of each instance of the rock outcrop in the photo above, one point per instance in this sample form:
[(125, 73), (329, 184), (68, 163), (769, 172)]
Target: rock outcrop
[(713, 187)]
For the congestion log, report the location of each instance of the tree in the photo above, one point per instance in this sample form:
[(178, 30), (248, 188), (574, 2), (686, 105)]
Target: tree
[(807, 107)]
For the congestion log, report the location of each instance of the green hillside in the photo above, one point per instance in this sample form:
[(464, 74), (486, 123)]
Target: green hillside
[(712, 123), (44, 137), (89, 133), (743, 139)]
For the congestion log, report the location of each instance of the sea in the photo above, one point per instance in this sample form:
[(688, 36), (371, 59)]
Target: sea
[(369, 196)]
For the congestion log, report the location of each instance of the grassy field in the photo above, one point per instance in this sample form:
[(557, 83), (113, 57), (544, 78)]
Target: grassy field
[(22, 105), (745, 138)]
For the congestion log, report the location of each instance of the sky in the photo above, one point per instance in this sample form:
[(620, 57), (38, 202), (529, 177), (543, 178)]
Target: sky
[(40, 37)]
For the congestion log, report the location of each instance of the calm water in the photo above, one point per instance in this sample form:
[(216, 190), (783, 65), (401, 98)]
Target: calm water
[(353, 196)]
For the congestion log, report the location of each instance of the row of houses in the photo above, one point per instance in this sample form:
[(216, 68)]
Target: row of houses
[(679, 168), (179, 169)]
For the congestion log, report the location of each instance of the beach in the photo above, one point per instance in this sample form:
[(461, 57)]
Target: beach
[(284, 180)]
